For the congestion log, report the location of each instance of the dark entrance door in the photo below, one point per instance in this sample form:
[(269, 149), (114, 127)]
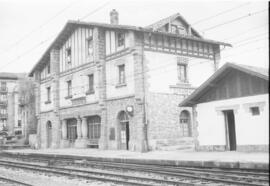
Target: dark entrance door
[(124, 135), (124, 130), (72, 131), (230, 130), (49, 134)]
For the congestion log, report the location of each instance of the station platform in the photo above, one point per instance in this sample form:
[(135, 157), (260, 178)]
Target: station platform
[(227, 159)]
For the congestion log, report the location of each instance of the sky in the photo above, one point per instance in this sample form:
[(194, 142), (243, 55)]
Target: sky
[(28, 27)]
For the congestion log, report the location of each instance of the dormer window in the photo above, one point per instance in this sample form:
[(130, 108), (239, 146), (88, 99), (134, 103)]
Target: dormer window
[(177, 29), (120, 39), (68, 55), (89, 46)]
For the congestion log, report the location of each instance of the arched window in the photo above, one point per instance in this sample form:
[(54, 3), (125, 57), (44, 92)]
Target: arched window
[(94, 127), (49, 125), (123, 117), (185, 123)]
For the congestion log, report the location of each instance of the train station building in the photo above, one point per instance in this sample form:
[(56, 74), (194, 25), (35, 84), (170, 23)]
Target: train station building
[(113, 86)]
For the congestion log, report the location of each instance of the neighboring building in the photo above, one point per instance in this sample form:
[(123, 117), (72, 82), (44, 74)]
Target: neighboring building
[(13, 121), (232, 110), (108, 85)]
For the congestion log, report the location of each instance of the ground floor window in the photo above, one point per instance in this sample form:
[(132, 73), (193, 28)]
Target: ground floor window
[(72, 129), (93, 123)]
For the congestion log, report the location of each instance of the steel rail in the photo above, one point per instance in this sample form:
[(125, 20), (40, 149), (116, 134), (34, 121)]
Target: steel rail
[(71, 172), (174, 171), (14, 181), (170, 173)]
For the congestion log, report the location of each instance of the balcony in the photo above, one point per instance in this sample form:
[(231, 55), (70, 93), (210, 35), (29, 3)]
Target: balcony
[(3, 116), (3, 89)]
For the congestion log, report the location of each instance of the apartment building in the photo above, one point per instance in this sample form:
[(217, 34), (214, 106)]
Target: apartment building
[(14, 118), (113, 86)]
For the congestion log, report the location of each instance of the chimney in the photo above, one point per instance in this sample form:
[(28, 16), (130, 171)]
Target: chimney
[(114, 17)]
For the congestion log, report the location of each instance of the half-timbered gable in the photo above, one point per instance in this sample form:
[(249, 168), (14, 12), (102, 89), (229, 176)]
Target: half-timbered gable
[(175, 24)]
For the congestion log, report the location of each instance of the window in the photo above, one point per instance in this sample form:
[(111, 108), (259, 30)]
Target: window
[(94, 127), (3, 86), (90, 46), (69, 89), (255, 111), (18, 132), (19, 123), (120, 39), (49, 68), (176, 29), (68, 55), (182, 72), (48, 95), (122, 78), (91, 89), (3, 97)]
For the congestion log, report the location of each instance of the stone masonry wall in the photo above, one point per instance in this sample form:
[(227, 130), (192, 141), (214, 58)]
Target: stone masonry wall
[(163, 120)]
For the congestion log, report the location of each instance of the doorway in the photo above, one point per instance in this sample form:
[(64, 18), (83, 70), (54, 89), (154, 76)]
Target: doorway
[(230, 130), (124, 130), (49, 134)]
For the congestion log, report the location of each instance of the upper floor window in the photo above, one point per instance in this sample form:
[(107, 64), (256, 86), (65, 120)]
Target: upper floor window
[(3, 85), (68, 55), (90, 46), (120, 38), (3, 97), (121, 74), (69, 88), (3, 110), (48, 95), (19, 123), (182, 72), (91, 89), (177, 29)]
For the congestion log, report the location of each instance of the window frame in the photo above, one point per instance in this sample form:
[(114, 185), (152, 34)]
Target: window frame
[(118, 41), (255, 110), (69, 89), (179, 65), (48, 92), (91, 84), (121, 71), (68, 55), (88, 41)]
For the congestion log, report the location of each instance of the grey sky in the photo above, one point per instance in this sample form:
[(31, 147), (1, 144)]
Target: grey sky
[(30, 22)]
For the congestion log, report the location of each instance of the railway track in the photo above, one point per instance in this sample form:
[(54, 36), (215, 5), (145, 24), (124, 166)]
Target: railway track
[(174, 175), (11, 181)]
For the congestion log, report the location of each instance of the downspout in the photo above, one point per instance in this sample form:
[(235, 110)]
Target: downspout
[(145, 124)]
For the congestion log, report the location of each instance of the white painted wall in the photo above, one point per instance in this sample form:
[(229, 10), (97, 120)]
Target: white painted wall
[(250, 130), (79, 87), (162, 71), (112, 77)]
